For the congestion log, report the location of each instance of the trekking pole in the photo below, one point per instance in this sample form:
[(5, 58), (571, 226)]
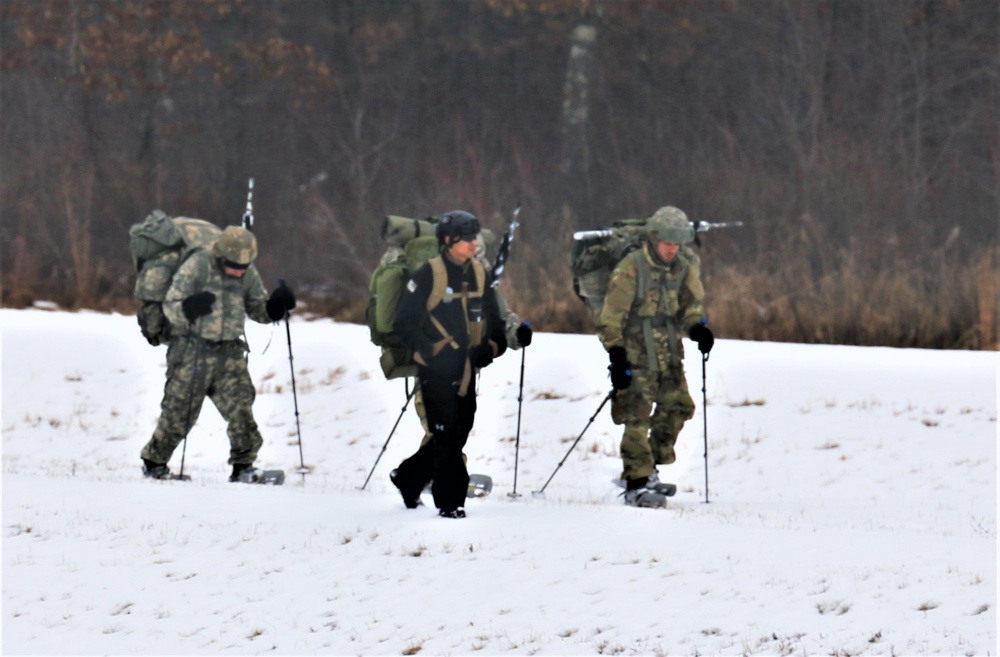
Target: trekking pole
[(409, 395), (592, 417), (704, 421), (303, 470), (517, 438)]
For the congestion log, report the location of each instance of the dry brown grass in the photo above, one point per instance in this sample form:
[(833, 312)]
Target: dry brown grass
[(932, 303), (887, 298)]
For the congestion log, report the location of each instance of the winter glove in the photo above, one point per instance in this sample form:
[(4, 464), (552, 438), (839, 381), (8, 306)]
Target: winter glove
[(620, 369), (281, 301), (481, 355), (197, 305), (703, 336), (523, 334), (152, 322)]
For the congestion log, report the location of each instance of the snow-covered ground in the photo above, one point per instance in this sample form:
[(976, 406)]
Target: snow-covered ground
[(853, 507)]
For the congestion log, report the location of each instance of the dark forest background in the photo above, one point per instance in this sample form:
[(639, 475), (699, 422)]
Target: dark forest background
[(858, 141)]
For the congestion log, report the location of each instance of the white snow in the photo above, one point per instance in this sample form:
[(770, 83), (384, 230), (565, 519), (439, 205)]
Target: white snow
[(853, 507)]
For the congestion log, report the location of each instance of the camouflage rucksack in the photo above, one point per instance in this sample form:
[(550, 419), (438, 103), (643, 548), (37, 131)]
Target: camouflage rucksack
[(595, 254), (159, 244), (592, 259)]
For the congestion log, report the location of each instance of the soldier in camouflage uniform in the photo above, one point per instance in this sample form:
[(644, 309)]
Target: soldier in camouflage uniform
[(654, 297), (210, 297)]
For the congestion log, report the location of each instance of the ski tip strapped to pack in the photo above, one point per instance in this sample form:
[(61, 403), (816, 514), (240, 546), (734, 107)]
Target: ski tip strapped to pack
[(595, 253), (503, 253), (601, 233), (248, 214)]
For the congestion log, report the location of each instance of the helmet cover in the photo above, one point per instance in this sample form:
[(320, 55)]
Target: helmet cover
[(669, 224), (237, 247)]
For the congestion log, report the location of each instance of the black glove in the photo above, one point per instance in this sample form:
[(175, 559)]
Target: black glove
[(198, 305), (282, 300), (523, 334), (620, 369), (481, 355), (703, 336)]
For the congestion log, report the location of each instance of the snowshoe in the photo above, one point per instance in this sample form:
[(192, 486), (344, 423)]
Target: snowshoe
[(646, 498), (247, 474), (152, 470), (480, 485), (654, 484)]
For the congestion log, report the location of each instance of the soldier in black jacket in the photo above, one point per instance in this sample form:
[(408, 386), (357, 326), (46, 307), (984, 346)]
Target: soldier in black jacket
[(449, 318)]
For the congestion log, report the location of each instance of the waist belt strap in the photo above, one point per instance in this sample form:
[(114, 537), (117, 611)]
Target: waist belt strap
[(636, 325), (646, 326)]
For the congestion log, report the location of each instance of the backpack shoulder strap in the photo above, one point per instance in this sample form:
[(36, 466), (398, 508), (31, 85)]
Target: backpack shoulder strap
[(480, 272), (641, 273), (438, 292), (440, 284)]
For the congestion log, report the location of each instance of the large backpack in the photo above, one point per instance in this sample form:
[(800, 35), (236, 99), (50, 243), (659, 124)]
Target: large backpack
[(411, 243), (594, 258), (159, 244)]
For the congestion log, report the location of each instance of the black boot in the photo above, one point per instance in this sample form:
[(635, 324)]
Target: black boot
[(411, 501), (152, 470), (245, 473)]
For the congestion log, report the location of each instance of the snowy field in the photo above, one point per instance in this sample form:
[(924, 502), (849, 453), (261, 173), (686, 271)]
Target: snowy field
[(853, 507)]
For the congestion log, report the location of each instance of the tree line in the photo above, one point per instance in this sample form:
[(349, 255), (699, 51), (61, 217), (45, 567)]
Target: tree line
[(857, 141)]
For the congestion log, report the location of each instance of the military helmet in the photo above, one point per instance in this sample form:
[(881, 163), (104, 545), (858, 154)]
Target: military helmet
[(669, 224), (237, 247), (458, 225)]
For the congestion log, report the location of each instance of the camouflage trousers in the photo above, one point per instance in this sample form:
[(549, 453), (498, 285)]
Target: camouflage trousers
[(197, 369), (653, 409)]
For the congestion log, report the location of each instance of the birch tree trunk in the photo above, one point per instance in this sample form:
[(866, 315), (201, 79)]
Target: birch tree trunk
[(575, 161)]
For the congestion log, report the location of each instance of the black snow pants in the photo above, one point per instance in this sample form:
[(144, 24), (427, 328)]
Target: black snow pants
[(450, 419)]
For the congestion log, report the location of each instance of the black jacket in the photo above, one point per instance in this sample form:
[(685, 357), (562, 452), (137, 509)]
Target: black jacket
[(412, 324)]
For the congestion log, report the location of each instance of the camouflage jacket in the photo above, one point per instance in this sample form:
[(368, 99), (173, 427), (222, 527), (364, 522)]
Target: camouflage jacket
[(649, 323), (235, 299)]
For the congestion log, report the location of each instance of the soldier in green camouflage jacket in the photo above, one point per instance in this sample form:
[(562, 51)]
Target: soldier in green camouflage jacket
[(210, 297), (654, 297)]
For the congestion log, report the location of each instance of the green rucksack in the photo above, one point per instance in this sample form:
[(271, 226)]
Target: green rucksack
[(592, 259), (158, 245), (412, 242), (386, 286)]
